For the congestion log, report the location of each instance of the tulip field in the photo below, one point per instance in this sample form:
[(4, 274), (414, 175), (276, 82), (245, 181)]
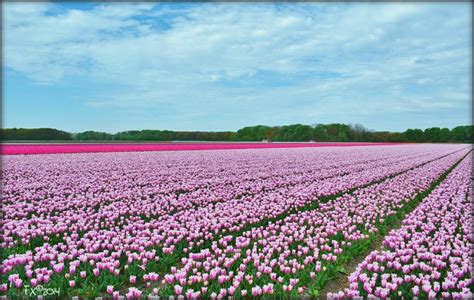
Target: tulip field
[(238, 221), (10, 149)]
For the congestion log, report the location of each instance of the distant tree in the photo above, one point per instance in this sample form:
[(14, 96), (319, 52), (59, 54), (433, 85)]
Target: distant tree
[(254, 133), (127, 135), (92, 135), (336, 132), (415, 135), (396, 137), (359, 133), (34, 134), (462, 134), (433, 134), (381, 136), (296, 132), (445, 135), (320, 133)]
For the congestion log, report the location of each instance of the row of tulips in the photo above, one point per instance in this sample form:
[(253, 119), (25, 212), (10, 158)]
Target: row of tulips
[(35, 209), (167, 190), (430, 256), (99, 185), (295, 251), (27, 149), (85, 238)]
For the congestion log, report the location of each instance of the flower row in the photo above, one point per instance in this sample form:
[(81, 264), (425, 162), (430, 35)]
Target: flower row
[(301, 245), (430, 256)]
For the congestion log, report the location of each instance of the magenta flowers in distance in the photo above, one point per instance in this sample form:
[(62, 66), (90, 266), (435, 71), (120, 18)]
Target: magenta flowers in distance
[(15, 149)]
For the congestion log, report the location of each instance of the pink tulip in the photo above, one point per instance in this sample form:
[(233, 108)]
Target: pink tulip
[(178, 289), (18, 283), (110, 289), (415, 290)]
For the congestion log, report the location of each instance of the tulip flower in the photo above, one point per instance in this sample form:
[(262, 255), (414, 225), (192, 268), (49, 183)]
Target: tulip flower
[(178, 289), (110, 289)]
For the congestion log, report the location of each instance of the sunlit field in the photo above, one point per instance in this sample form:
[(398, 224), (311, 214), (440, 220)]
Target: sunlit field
[(384, 221)]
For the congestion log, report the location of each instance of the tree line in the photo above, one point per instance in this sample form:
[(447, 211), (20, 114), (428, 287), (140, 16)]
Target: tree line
[(335, 132)]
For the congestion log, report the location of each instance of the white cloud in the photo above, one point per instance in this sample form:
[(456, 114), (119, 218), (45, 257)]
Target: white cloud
[(227, 55)]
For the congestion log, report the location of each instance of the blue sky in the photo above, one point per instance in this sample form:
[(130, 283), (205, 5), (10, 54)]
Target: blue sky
[(205, 66)]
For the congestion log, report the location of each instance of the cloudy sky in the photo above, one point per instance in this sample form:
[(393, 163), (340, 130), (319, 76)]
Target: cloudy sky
[(84, 66)]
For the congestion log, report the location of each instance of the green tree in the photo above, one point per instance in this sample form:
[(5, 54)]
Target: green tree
[(92, 135), (445, 135), (34, 134), (462, 134), (359, 133), (320, 133), (433, 134), (337, 132), (254, 133), (415, 135)]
